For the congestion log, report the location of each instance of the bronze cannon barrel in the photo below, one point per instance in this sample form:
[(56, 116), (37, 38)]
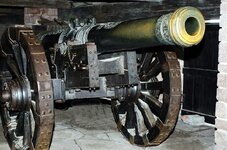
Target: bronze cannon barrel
[(184, 27)]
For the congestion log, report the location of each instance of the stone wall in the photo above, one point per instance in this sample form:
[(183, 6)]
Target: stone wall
[(32, 15), (221, 106)]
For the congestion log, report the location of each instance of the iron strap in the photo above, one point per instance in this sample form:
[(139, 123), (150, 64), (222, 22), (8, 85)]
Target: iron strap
[(175, 96), (44, 121)]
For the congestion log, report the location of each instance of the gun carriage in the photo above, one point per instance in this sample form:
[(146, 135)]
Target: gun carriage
[(124, 62)]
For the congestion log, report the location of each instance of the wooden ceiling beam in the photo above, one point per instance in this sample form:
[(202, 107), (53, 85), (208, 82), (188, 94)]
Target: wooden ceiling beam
[(36, 3), (106, 12)]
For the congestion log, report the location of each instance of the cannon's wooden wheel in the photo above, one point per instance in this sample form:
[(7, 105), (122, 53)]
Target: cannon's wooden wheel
[(30, 127), (149, 116)]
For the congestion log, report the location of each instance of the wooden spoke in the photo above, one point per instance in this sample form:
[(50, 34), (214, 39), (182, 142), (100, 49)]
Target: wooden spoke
[(130, 118), (27, 129), (141, 127), (13, 67), (152, 86), (156, 69), (154, 104), (146, 60), (148, 116)]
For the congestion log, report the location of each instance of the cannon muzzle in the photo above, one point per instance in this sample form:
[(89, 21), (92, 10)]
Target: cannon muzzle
[(184, 27)]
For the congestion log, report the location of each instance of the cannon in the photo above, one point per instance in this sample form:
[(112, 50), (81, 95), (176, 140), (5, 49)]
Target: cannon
[(133, 64)]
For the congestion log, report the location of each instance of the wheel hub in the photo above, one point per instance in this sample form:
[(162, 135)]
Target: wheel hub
[(16, 94), (129, 93)]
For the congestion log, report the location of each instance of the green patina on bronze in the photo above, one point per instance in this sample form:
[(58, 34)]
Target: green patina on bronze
[(184, 27), (127, 35)]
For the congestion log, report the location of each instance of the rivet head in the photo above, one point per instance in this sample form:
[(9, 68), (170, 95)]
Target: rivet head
[(30, 43), (37, 60)]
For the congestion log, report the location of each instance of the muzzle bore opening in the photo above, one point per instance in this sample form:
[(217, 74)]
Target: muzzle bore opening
[(192, 26)]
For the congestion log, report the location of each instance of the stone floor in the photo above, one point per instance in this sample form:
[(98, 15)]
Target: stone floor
[(91, 127)]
